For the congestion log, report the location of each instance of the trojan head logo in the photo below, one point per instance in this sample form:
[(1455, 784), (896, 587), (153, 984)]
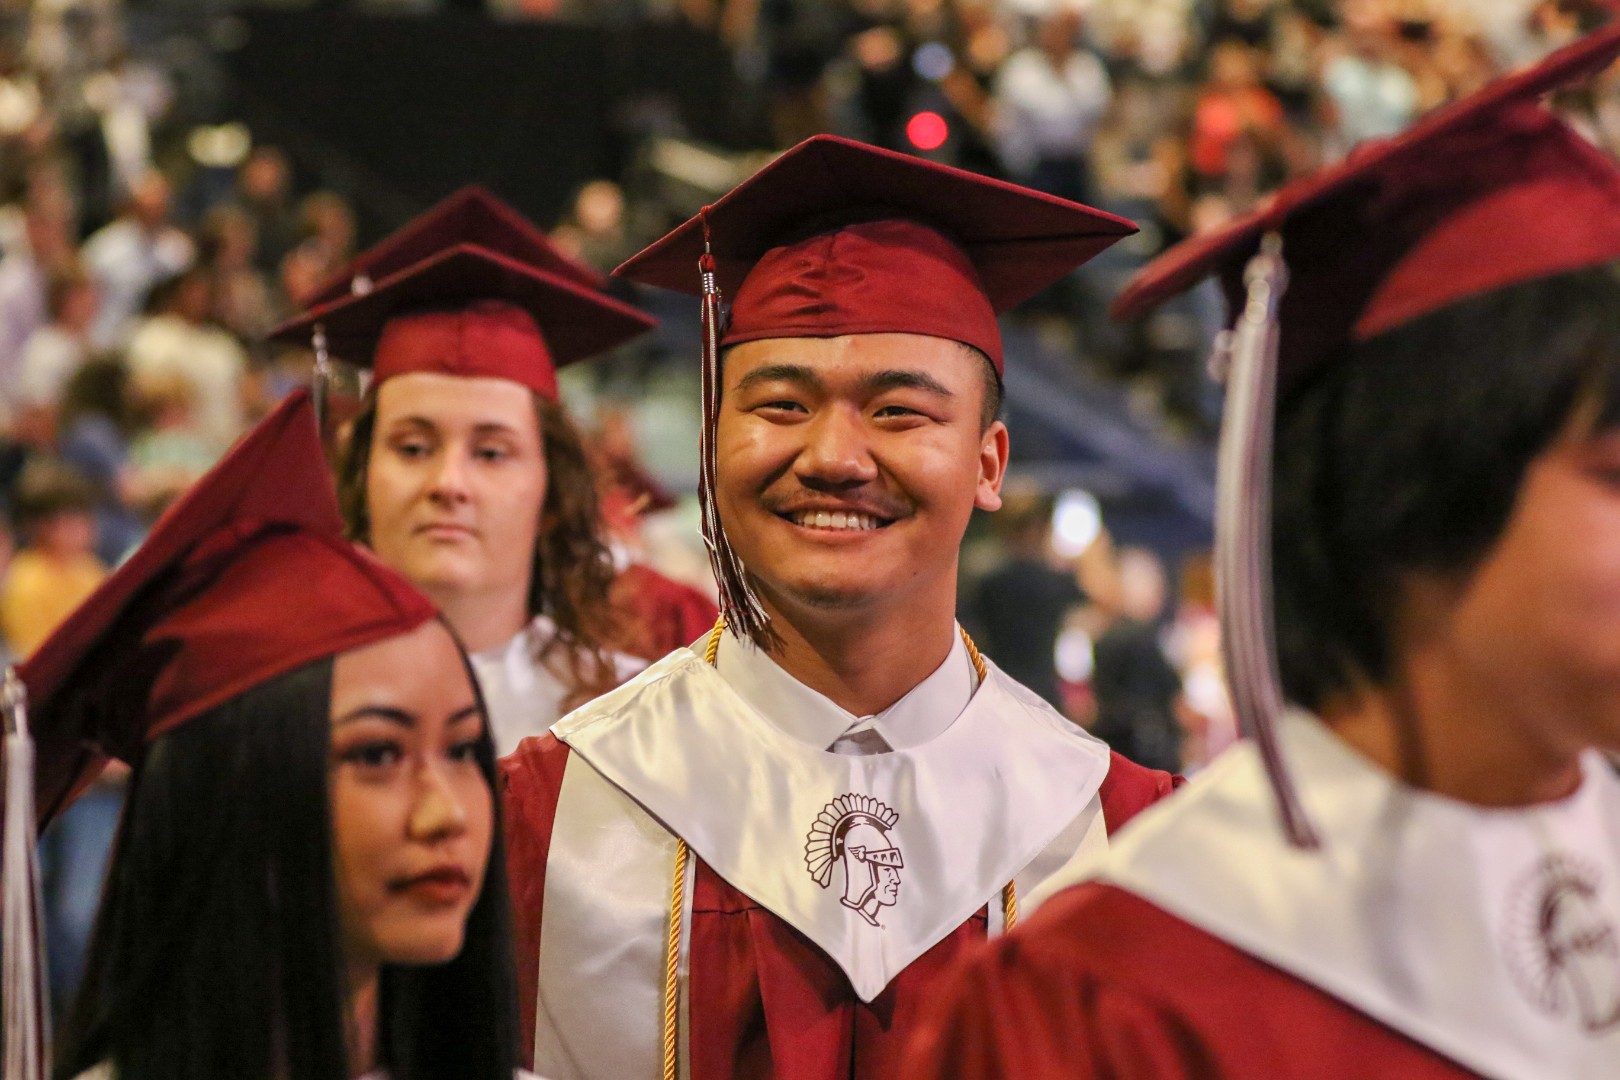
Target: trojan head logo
[(1563, 947), (853, 831)]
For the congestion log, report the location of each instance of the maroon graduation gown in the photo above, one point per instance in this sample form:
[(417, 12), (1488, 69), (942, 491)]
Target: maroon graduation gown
[(1103, 985)]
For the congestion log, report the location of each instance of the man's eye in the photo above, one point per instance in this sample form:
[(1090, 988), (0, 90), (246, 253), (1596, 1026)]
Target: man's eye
[(783, 405), (896, 410)]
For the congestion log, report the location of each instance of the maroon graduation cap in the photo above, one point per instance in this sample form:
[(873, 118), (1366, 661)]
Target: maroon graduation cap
[(836, 237), (471, 216), (1491, 191), (246, 577), (470, 311)]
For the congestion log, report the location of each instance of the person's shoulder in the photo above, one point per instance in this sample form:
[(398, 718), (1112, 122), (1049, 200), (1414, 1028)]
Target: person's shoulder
[(538, 759), (1103, 931), (1131, 788)]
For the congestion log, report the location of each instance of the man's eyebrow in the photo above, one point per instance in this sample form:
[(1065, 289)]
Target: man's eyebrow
[(376, 712), (905, 379), (793, 373)]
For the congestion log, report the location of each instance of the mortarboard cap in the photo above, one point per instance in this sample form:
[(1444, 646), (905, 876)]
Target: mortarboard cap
[(469, 216), (1489, 192), (245, 578), (467, 310), (835, 237)]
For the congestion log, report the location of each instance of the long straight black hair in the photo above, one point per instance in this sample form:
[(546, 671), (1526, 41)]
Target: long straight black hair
[(217, 950)]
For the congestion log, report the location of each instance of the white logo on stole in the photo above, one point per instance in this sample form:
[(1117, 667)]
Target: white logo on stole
[(853, 830), (1563, 950)]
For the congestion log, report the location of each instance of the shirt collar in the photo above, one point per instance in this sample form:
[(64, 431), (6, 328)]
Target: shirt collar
[(925, 711)]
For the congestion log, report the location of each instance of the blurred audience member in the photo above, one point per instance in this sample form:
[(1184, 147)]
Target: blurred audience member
[(129, 96), (43, 246), (94, 427), (170, 452), (1019, 606), (326, 222), (1048, 101), (131, 255), (264, 190), (1138, 691), (1236, 117), (1372, 94), (180, 338), (325, 246), (227, 248), (594, 231), (59, 348), (56, 567), (1194, 646)]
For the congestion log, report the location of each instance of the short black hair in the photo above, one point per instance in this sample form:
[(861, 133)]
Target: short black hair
[(217, 950), (1404, 456), (990, 408)]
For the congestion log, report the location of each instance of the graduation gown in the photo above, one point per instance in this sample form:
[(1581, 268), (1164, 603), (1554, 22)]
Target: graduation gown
[(660, 614), (1425, 940), (779, 979)]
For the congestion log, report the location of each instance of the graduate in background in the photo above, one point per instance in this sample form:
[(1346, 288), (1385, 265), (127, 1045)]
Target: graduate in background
[(463, 469), (302, 884), (756, 857), (1422, 879)]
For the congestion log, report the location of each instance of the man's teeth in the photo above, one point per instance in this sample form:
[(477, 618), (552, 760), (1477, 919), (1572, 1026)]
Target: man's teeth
[(835, 519)]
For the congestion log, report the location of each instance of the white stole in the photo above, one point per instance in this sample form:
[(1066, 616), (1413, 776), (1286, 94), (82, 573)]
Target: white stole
[(1009, 792), (1491, 936)]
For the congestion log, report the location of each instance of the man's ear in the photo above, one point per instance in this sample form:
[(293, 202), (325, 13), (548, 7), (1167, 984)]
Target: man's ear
[(994, 447)]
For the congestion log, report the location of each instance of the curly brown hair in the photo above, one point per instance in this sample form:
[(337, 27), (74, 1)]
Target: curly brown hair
[(572, 571)]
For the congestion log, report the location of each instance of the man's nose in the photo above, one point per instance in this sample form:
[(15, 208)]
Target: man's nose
[(837, 450)]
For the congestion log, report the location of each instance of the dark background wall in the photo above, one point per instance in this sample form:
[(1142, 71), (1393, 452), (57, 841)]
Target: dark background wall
[(409, 108)]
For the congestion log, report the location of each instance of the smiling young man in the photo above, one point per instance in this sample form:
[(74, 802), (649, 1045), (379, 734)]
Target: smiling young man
[(1420, 876), (757, 857)]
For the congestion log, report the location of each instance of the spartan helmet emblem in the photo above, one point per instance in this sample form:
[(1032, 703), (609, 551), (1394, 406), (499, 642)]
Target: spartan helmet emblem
[(1563, 947), (854, 830)]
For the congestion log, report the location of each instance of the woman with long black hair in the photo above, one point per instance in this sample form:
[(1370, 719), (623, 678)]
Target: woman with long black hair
[(303, 884)]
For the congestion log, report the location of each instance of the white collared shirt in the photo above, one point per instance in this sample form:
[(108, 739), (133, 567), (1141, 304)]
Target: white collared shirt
[(521, 694), (811, 717)]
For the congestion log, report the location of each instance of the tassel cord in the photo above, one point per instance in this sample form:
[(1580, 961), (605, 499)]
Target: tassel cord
[(1243, 532)]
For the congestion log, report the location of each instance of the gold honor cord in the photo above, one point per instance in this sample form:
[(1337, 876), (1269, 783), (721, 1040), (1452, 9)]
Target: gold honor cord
[(677, 893)]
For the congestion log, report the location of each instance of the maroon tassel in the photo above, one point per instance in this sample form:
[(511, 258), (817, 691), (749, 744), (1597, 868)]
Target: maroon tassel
[(739, 607)]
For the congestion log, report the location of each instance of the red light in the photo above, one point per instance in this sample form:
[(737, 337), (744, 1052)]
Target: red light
[(927, 131)]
